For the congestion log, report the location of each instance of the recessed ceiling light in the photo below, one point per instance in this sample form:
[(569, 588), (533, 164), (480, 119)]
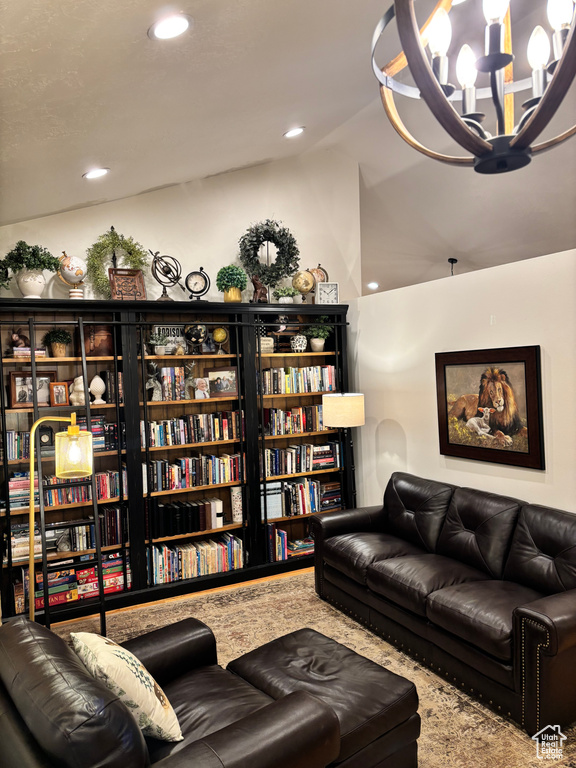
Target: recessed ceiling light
[(293, 132), (169, 27), (95, 173), (373, 286)]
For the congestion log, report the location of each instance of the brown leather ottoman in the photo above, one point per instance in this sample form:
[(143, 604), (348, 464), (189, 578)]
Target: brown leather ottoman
[(377, 709)]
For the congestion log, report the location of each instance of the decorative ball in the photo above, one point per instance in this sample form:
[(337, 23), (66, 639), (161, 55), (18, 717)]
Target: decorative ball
[(219, 335), (195, 334), (303, 281), (72, 269)]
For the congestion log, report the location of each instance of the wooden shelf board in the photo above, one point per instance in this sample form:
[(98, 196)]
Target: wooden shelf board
[(150, 403), (300, 394), (191, 445), (51, 458), (298, 354), (302, 474), (57, 360), (179, 536), (195, 488), (225, 356), (93, 407), (49, 508), (291, 518), (55, 556), (290, 435)]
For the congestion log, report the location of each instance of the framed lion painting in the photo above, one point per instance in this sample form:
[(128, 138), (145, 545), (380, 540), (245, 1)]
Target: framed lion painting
[(490, 405)]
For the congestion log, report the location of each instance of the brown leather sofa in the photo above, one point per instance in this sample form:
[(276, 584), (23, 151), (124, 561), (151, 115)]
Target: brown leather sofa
[(479, 587), (53, 714)]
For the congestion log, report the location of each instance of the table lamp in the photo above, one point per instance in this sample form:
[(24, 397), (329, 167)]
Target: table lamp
[(344, 410), (74, 460)]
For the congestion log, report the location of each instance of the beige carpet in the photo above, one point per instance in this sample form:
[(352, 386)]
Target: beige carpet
[(457, 732)]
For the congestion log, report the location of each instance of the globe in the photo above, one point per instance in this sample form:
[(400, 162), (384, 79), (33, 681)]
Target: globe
[(195, 334), (72, 269), (303, 282), (220, 335)]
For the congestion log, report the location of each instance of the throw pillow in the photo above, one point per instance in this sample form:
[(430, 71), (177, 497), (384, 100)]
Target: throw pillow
[(127, 677)]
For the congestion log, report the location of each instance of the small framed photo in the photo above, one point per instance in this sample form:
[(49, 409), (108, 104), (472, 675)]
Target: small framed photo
[(22, 388), (201, 389), (59, 393), (223, 382), (327, 293)]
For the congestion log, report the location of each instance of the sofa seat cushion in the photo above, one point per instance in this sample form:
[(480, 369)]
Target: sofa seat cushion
[(407, 581), (480, 613), (352, 553), (205, 700)]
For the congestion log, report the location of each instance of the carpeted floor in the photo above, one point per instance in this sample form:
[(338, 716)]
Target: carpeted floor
[(457, 732)]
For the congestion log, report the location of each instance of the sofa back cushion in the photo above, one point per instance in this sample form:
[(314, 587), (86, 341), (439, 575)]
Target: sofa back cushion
[(478, 529), (75, 719), (543, 551), (415, 508)]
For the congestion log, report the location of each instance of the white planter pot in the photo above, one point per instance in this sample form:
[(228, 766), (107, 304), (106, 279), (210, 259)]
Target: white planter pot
[(31, 283), (159, 350), (286, 300), (317, 345)]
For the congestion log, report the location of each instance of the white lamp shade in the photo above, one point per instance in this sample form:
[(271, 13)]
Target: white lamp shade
[(343, 410)]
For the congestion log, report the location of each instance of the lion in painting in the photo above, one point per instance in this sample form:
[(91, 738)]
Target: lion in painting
[(495, 392)]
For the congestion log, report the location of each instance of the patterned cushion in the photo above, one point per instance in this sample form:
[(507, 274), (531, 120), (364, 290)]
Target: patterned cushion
[(124, 674)]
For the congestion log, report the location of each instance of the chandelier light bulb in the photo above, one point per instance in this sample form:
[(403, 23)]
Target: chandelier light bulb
[(495, 10), (439, 33), (466, 71), (538, 48), (560, 13)]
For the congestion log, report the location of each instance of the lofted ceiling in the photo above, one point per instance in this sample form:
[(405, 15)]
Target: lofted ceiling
[(82, 85)]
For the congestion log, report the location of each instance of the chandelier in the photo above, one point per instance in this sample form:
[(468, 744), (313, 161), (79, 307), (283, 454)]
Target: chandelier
[(512, 145)]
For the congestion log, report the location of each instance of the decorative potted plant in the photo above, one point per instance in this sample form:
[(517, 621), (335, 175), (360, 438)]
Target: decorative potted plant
[(28, 262), (57, 339), (231, 281), (285, 295), (318, 333), (158, 341)]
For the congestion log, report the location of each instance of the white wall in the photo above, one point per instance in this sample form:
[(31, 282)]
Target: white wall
[(394, 338), (316, 196)]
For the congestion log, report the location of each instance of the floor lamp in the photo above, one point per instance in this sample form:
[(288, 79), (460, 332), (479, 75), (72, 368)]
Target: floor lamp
[(74, 460), (344, 410)]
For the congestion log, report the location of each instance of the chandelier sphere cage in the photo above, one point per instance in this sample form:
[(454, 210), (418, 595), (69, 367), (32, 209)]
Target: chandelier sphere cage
[(513, 144)]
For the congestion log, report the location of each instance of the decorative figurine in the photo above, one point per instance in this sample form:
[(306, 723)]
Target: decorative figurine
[(154, 382), (18, 339), (77, 394), (97, 388), (260, 291)]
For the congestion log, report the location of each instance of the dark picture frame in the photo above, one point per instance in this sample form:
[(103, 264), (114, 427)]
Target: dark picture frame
[(21, 391), (223, 381), (505, 384), (59, 394), (127, 284)]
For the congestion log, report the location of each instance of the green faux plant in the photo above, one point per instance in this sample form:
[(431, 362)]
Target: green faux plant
[(319, 330), (24, 256), (57, 336), (279, 292), (158, 339), (231, 277), (111, 247)]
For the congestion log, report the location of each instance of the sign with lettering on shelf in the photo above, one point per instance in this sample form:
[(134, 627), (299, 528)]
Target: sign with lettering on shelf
[(174, 334)]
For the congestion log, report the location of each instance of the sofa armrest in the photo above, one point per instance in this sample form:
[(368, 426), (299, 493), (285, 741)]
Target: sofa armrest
[(297, 730), (348, 521), (557, 614), (169, 652)]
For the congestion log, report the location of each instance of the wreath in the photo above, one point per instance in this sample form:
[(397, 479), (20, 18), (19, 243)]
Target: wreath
[(286, 262), (106, 250)]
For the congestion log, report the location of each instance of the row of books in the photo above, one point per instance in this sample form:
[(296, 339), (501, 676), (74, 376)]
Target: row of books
[(107, 487), (305, 457), (112, 390), (280, 548), (194, 428), (105, 435), (172, 381), (191, 472), (313, 378), (294, 421), (303, 497), (181, 517), (26, 352), (74, 583), (196, 558)]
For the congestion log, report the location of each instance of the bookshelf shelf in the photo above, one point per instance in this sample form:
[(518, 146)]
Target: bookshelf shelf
[(299, 394), (195, 488), (208, 532), (149, 515), (56, 556), (292, 518)]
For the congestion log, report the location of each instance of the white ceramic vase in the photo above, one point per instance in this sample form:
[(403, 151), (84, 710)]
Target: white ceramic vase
[(317, 345), (97, 388), (31, 283), (286, 300)]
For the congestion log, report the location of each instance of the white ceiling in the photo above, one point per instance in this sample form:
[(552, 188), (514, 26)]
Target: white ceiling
[(83, 85)]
